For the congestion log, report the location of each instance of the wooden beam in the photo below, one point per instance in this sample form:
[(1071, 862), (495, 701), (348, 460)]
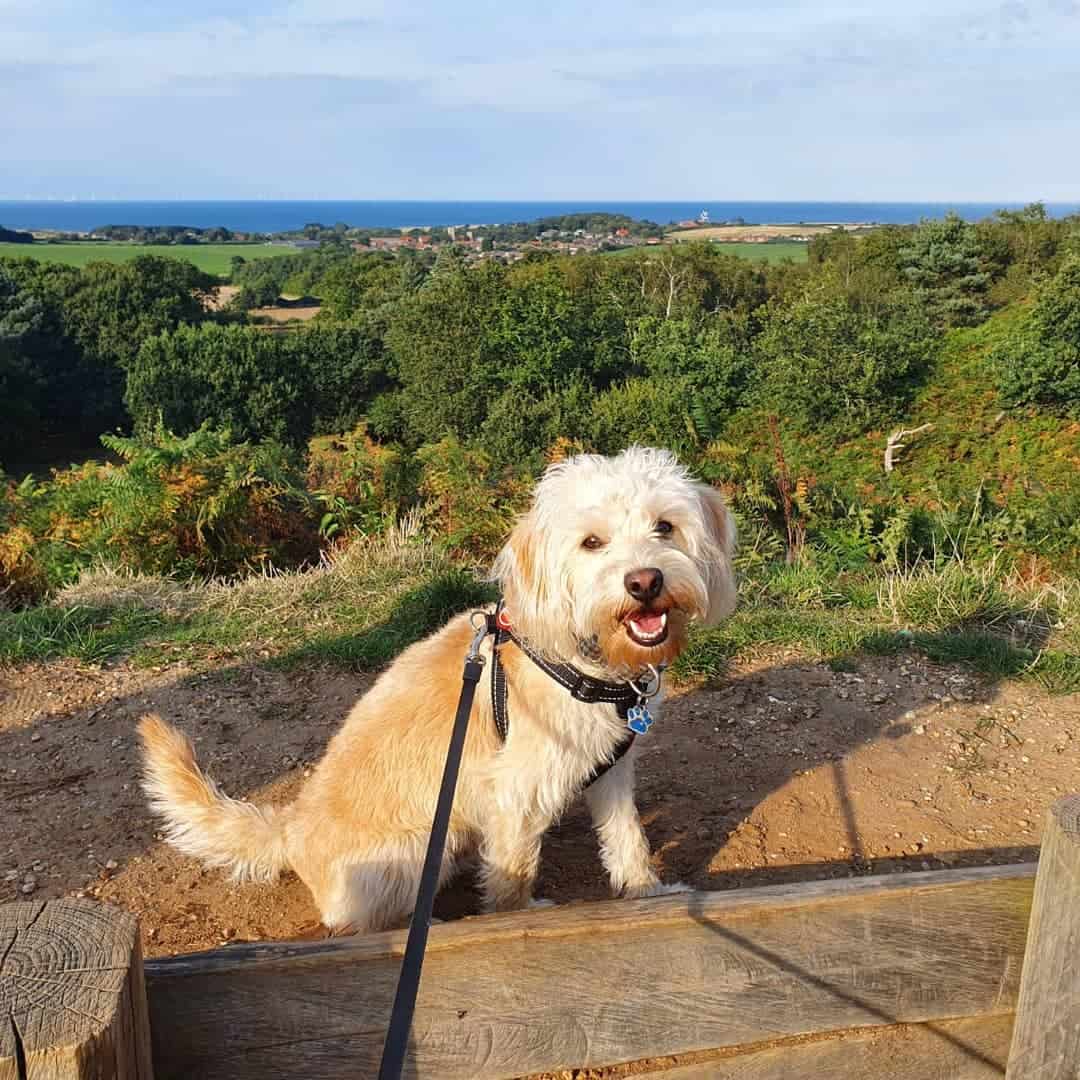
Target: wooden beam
[(970, 1049), (1046, 1043), (72, 997), (597, 984)]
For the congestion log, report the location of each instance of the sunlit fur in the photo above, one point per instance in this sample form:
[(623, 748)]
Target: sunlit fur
[(357, 832)]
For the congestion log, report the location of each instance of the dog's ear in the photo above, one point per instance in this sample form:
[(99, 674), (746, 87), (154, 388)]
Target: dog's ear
[(723, 537), (518, 571), (718, 519)]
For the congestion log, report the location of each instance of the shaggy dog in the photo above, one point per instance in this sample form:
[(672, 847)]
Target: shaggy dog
[(606, 571)]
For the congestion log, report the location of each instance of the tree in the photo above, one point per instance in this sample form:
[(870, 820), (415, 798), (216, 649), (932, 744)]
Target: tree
[(943, 264), (361, 283), (827, 365), (256, 384), (113, 307), (447, 358), (708, 359), (47, 383), (21, 379)]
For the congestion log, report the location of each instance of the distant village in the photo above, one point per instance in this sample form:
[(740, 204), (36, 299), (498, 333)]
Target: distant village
[(572, 234), (605, 233), (476, 244)]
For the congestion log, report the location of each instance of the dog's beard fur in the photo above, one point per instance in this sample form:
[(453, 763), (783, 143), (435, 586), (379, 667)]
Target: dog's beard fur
[(568, 600), (355, 834)]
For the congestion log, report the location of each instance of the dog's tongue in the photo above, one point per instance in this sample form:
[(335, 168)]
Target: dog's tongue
[(648, 622)]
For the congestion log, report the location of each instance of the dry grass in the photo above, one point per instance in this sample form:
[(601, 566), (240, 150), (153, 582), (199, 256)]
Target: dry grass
[(284, 314), (747, 233), (360, 605)]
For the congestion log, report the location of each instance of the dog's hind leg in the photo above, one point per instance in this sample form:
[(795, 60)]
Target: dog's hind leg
[(376, 890)]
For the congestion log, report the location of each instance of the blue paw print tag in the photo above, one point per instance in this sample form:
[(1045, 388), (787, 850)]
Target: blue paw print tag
[(638, 719)]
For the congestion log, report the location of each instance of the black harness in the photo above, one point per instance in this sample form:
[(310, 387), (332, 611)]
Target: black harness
[(624, 696)]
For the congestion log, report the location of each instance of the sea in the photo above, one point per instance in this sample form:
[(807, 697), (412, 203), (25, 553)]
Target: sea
[(259, 216)]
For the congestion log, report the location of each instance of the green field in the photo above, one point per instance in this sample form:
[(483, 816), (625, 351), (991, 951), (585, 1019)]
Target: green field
[(783, 249), (213, 258)]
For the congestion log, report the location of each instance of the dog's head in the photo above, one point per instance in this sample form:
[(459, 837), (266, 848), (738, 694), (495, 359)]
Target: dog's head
[(616, 557)]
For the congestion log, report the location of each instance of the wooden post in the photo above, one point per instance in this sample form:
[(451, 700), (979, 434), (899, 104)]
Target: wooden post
[(1046, 1038), (72, 997)]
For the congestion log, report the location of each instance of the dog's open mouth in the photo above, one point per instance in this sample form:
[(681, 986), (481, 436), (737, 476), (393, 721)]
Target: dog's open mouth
[(647, 627)]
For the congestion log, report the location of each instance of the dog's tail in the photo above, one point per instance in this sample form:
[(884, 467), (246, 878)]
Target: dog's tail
[(200, 819)]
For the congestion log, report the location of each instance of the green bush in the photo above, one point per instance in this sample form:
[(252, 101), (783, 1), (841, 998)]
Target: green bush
[(257, 384), (200, 505), (651, 412), (1039, 363), (825, 364)]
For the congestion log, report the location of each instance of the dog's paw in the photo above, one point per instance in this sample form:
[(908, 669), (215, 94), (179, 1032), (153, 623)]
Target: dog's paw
[(657, 889)]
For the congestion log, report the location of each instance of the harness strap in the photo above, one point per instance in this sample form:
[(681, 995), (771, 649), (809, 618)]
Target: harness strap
[(582, 687)]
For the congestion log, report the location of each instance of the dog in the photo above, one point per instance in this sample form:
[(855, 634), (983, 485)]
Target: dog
[(606, 571)]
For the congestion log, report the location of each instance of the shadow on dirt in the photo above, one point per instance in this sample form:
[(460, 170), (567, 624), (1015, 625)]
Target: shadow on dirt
[(720, 751)]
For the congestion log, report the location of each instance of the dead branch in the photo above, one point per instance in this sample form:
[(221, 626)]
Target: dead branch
[(895, 443)]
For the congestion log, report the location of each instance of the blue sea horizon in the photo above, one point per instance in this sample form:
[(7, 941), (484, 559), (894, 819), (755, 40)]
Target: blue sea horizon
[(270, 216)]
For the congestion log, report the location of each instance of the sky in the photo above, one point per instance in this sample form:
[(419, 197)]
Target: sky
[(512, 99)]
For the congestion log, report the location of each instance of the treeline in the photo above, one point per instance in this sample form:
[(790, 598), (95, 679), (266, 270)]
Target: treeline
[(679, 346), (426, 380), (69, 337), (671, 346), (165, 234)]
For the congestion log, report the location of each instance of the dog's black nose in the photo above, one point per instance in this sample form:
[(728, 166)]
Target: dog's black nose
[(644, 585)]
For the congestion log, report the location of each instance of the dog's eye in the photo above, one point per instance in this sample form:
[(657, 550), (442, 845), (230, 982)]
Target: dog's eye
[(664, 528), (591, 543)]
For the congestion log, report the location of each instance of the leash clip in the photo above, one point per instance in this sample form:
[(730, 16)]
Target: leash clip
[(651, 688), (482, 630)]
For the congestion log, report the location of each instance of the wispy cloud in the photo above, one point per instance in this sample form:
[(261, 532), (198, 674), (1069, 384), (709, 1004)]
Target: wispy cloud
[(623, 97)]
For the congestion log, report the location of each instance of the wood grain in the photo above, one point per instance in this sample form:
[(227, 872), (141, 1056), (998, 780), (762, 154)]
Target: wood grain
[(598, 984), (1046, 1042), (970, 1049), (72, 997)]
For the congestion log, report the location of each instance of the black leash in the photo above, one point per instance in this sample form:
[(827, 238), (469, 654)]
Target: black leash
[(397, 1035), (630, 702)]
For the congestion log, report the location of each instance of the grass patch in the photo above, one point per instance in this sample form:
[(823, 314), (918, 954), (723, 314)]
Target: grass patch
[(950, 594), (359, 608), (211, 258), (415, 614), (85, 633), (372, 599)]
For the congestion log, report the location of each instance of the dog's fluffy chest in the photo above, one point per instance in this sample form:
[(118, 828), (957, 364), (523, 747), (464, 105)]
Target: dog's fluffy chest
[(554, 745)]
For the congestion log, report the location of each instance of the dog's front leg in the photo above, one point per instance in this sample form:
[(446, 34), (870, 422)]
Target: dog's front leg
[(624, 848), (510, 855)]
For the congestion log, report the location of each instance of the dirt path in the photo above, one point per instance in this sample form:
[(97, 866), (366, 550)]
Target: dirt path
[(786, 771)]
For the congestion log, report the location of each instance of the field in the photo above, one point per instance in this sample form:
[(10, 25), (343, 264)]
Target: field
[(735, 234), (213, 258), (773, 252), (769, 252)]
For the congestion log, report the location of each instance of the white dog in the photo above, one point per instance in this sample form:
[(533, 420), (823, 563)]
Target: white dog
[(614, 560)]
